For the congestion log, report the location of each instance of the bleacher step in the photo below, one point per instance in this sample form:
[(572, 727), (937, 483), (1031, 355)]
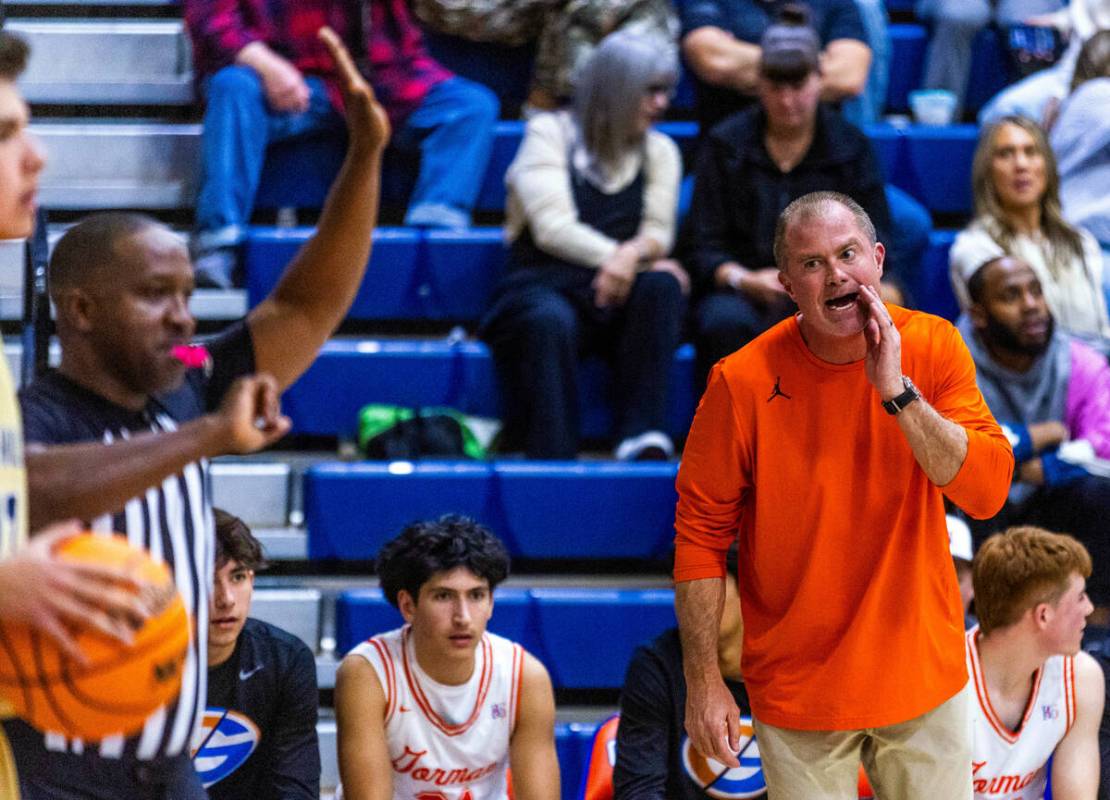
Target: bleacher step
[(105, 62)]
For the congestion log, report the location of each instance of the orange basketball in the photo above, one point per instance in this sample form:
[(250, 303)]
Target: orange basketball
[(121, 685)]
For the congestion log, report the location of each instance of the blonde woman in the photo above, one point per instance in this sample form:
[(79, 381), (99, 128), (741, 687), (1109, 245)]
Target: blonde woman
[(1016, 191)]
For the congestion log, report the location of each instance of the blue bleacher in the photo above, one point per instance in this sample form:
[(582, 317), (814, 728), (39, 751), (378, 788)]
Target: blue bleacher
[(573, 742), (298, 174), (451, 276), (348, 374), (361, 613), (934, 290), (548, 623), (549, 510)]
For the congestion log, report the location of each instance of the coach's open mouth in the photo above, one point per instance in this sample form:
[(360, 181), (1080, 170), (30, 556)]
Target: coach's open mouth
[(843, 301)]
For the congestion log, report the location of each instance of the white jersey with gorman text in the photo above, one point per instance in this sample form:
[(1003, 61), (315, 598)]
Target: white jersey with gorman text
[(1009, 765), (447, 742)]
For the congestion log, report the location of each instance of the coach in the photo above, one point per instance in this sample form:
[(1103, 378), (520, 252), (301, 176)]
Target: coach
[(827, 446)]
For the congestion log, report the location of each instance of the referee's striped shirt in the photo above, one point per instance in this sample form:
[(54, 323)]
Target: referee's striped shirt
[(172, 520)]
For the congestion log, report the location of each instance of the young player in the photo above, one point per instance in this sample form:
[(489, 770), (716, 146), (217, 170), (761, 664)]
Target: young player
[(1038, 695), (440, 708)]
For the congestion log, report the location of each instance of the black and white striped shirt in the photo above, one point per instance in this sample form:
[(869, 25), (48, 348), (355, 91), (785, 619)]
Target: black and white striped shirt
[(173, 520)]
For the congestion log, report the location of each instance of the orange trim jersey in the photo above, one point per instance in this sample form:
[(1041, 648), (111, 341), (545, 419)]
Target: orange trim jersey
[(1008, 764), (447, 742), (852, 613)]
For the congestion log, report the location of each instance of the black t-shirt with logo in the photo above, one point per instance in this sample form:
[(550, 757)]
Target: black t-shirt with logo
[(654, 757), (259, 733)]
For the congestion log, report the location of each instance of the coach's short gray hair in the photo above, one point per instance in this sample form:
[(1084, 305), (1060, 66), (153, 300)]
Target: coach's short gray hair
[(611, 85), (810, 204)]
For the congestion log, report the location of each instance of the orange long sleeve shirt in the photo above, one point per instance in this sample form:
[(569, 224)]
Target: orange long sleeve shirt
[(852, 614)]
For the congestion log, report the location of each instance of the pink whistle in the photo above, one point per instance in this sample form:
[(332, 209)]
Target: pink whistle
[(193, 356)]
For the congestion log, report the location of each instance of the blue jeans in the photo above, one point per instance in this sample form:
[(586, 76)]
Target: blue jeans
[(870, 105), (453, 129)]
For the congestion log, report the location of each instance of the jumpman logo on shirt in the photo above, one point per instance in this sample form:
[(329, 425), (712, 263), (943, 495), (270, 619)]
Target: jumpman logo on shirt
[(777, 391)]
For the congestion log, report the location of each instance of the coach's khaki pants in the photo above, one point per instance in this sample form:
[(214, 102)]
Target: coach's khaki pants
[(924, 758)]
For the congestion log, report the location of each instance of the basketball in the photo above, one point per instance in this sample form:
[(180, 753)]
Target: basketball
[(121, 684)]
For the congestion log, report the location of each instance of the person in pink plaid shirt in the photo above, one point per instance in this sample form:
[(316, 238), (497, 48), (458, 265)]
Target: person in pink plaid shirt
[(265, 77)]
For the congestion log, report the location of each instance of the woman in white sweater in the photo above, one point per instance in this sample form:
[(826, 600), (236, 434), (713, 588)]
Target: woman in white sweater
[(1016, 192), (590, 218)]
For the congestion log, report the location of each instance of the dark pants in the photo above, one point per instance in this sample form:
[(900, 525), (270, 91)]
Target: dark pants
[(726, 321), (537, 332), (1081, 509), (45, 775)]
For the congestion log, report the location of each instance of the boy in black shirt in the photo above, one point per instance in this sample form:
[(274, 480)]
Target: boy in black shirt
[(259, 734), (654, 756)]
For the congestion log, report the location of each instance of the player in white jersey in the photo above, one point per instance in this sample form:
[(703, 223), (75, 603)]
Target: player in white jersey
[(440, 708), (1037, 694)]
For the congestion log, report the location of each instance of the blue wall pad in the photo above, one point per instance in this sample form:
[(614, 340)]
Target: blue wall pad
[(413, 274), (623, 619), (907, 64), (934, 290), (938, 164), (548, 622), (390, 289), (569, 510), (352, 509), (539, 509), (362, 613), (348, 374)]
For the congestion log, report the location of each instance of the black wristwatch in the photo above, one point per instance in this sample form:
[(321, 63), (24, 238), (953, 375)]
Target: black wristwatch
[(901, 401)]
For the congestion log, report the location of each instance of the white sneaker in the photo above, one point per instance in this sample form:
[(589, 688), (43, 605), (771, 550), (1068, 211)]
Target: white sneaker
[(647, 446)]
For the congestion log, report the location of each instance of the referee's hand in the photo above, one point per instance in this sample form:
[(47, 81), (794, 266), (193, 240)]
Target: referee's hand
[(713, 721), (250, 416)]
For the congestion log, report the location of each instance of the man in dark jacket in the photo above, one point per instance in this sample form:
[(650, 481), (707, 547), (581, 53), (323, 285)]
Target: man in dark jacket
[(259, 735), (751, 166)]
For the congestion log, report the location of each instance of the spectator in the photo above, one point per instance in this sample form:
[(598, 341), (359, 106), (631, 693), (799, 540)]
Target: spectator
[(955, 24), (441, 702), (1016, 195), (1039, 697), (590, 216), (262, 680), (1080, 139), (784, 147), (794, 450), (1048, 389), (1032, 97), (120, 285), (265, 78), (653, 751), (567, 32), (721, 43)]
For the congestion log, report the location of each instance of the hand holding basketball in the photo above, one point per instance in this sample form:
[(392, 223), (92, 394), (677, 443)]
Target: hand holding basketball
[(47, 593), (114, 687)]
